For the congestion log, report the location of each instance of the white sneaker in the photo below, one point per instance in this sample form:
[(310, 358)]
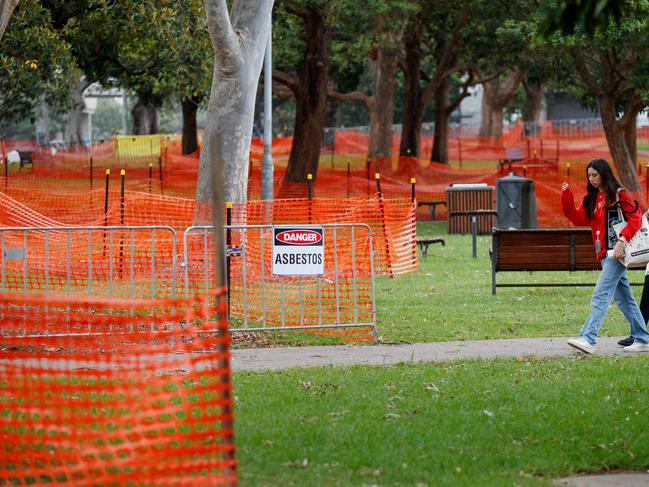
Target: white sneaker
[(637, 347), (582, 345)]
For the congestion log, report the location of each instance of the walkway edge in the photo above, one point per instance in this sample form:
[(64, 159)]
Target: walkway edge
[(286, 357)]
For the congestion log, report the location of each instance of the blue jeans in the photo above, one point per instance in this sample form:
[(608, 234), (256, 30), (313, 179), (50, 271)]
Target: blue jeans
[(613, 283)]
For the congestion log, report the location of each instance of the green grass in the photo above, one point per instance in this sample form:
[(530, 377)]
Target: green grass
[(449, 298), (498, 422)]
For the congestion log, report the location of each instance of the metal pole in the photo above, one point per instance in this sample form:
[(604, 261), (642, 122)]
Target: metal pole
[(474, 234), (267, 161), (150, 175), (413, 182)]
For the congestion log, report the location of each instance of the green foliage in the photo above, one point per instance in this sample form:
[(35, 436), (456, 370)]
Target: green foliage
[(570, 16), (461, 423), (154, 48), (35, 62), (107, 119)]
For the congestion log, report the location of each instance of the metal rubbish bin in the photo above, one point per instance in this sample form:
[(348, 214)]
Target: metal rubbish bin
[(466, 202), (515, 202)]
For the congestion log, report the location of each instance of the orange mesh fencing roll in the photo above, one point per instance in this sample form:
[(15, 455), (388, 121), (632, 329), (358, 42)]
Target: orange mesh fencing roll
[(92, 394)]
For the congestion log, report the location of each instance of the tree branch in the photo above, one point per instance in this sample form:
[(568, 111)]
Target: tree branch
[(288, 80), (465, 92), (6, 9), (356, 96), (224, 40), (636, 105), (448, 58), (584, 73), (295, 10)]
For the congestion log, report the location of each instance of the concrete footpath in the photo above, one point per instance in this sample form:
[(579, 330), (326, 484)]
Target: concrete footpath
[(285, 357)]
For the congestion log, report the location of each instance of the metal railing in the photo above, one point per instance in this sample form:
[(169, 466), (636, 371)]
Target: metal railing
[(342, 297), (127, 261)]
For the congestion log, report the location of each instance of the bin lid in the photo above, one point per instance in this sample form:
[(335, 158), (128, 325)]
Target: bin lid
[(512, 177), (465, 186)]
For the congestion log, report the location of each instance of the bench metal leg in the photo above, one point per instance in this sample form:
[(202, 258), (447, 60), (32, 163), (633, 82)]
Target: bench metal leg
[(424, 249)]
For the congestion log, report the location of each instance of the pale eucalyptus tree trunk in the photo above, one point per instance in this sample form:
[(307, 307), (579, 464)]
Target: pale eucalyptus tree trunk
[(239, 46), (73, 132), (239, 42), (6, 9)]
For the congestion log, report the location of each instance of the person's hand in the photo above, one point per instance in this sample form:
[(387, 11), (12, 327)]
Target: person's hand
[(618, 250), (564, 186)]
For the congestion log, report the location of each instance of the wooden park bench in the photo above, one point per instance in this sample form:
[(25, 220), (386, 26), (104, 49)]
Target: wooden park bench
[(425, 240), (547, 249)]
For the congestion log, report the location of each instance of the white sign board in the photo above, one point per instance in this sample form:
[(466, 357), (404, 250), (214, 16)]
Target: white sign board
[(298, 250)]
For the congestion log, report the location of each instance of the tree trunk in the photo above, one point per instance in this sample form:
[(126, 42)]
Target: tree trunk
[(532, 107), (617, 144), (496, 95), (382, 110), (45, 121), (311, 101), (239, 52), (440, 139), (331, 113), (486, 121), (190, 130), (413, 111), (146, 118), (73, 133), (630, 137), (6, 9)]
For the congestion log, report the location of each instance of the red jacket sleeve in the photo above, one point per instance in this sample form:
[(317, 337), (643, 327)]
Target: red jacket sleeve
[(633, 214), (576, 215)]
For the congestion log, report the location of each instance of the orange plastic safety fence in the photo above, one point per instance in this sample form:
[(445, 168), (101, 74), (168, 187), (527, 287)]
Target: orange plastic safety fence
[(96, 391)]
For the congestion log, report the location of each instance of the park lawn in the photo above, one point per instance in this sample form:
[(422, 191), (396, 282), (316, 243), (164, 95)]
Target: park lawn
[(449, 298), (500, 422)]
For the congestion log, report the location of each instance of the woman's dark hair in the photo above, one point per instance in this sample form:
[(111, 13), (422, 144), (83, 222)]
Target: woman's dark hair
[(610, 185)]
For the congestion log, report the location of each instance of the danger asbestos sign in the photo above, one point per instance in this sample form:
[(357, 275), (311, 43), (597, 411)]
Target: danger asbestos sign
[(298, 250)]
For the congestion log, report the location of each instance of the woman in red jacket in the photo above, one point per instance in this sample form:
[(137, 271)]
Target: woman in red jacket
[(598, 212)]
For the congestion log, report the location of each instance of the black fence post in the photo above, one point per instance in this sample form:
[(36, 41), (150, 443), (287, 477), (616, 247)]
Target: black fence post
[(309, 183)]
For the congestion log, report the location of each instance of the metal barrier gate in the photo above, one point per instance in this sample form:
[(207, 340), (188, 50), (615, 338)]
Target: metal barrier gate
[(342, 297), (114, 261)]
